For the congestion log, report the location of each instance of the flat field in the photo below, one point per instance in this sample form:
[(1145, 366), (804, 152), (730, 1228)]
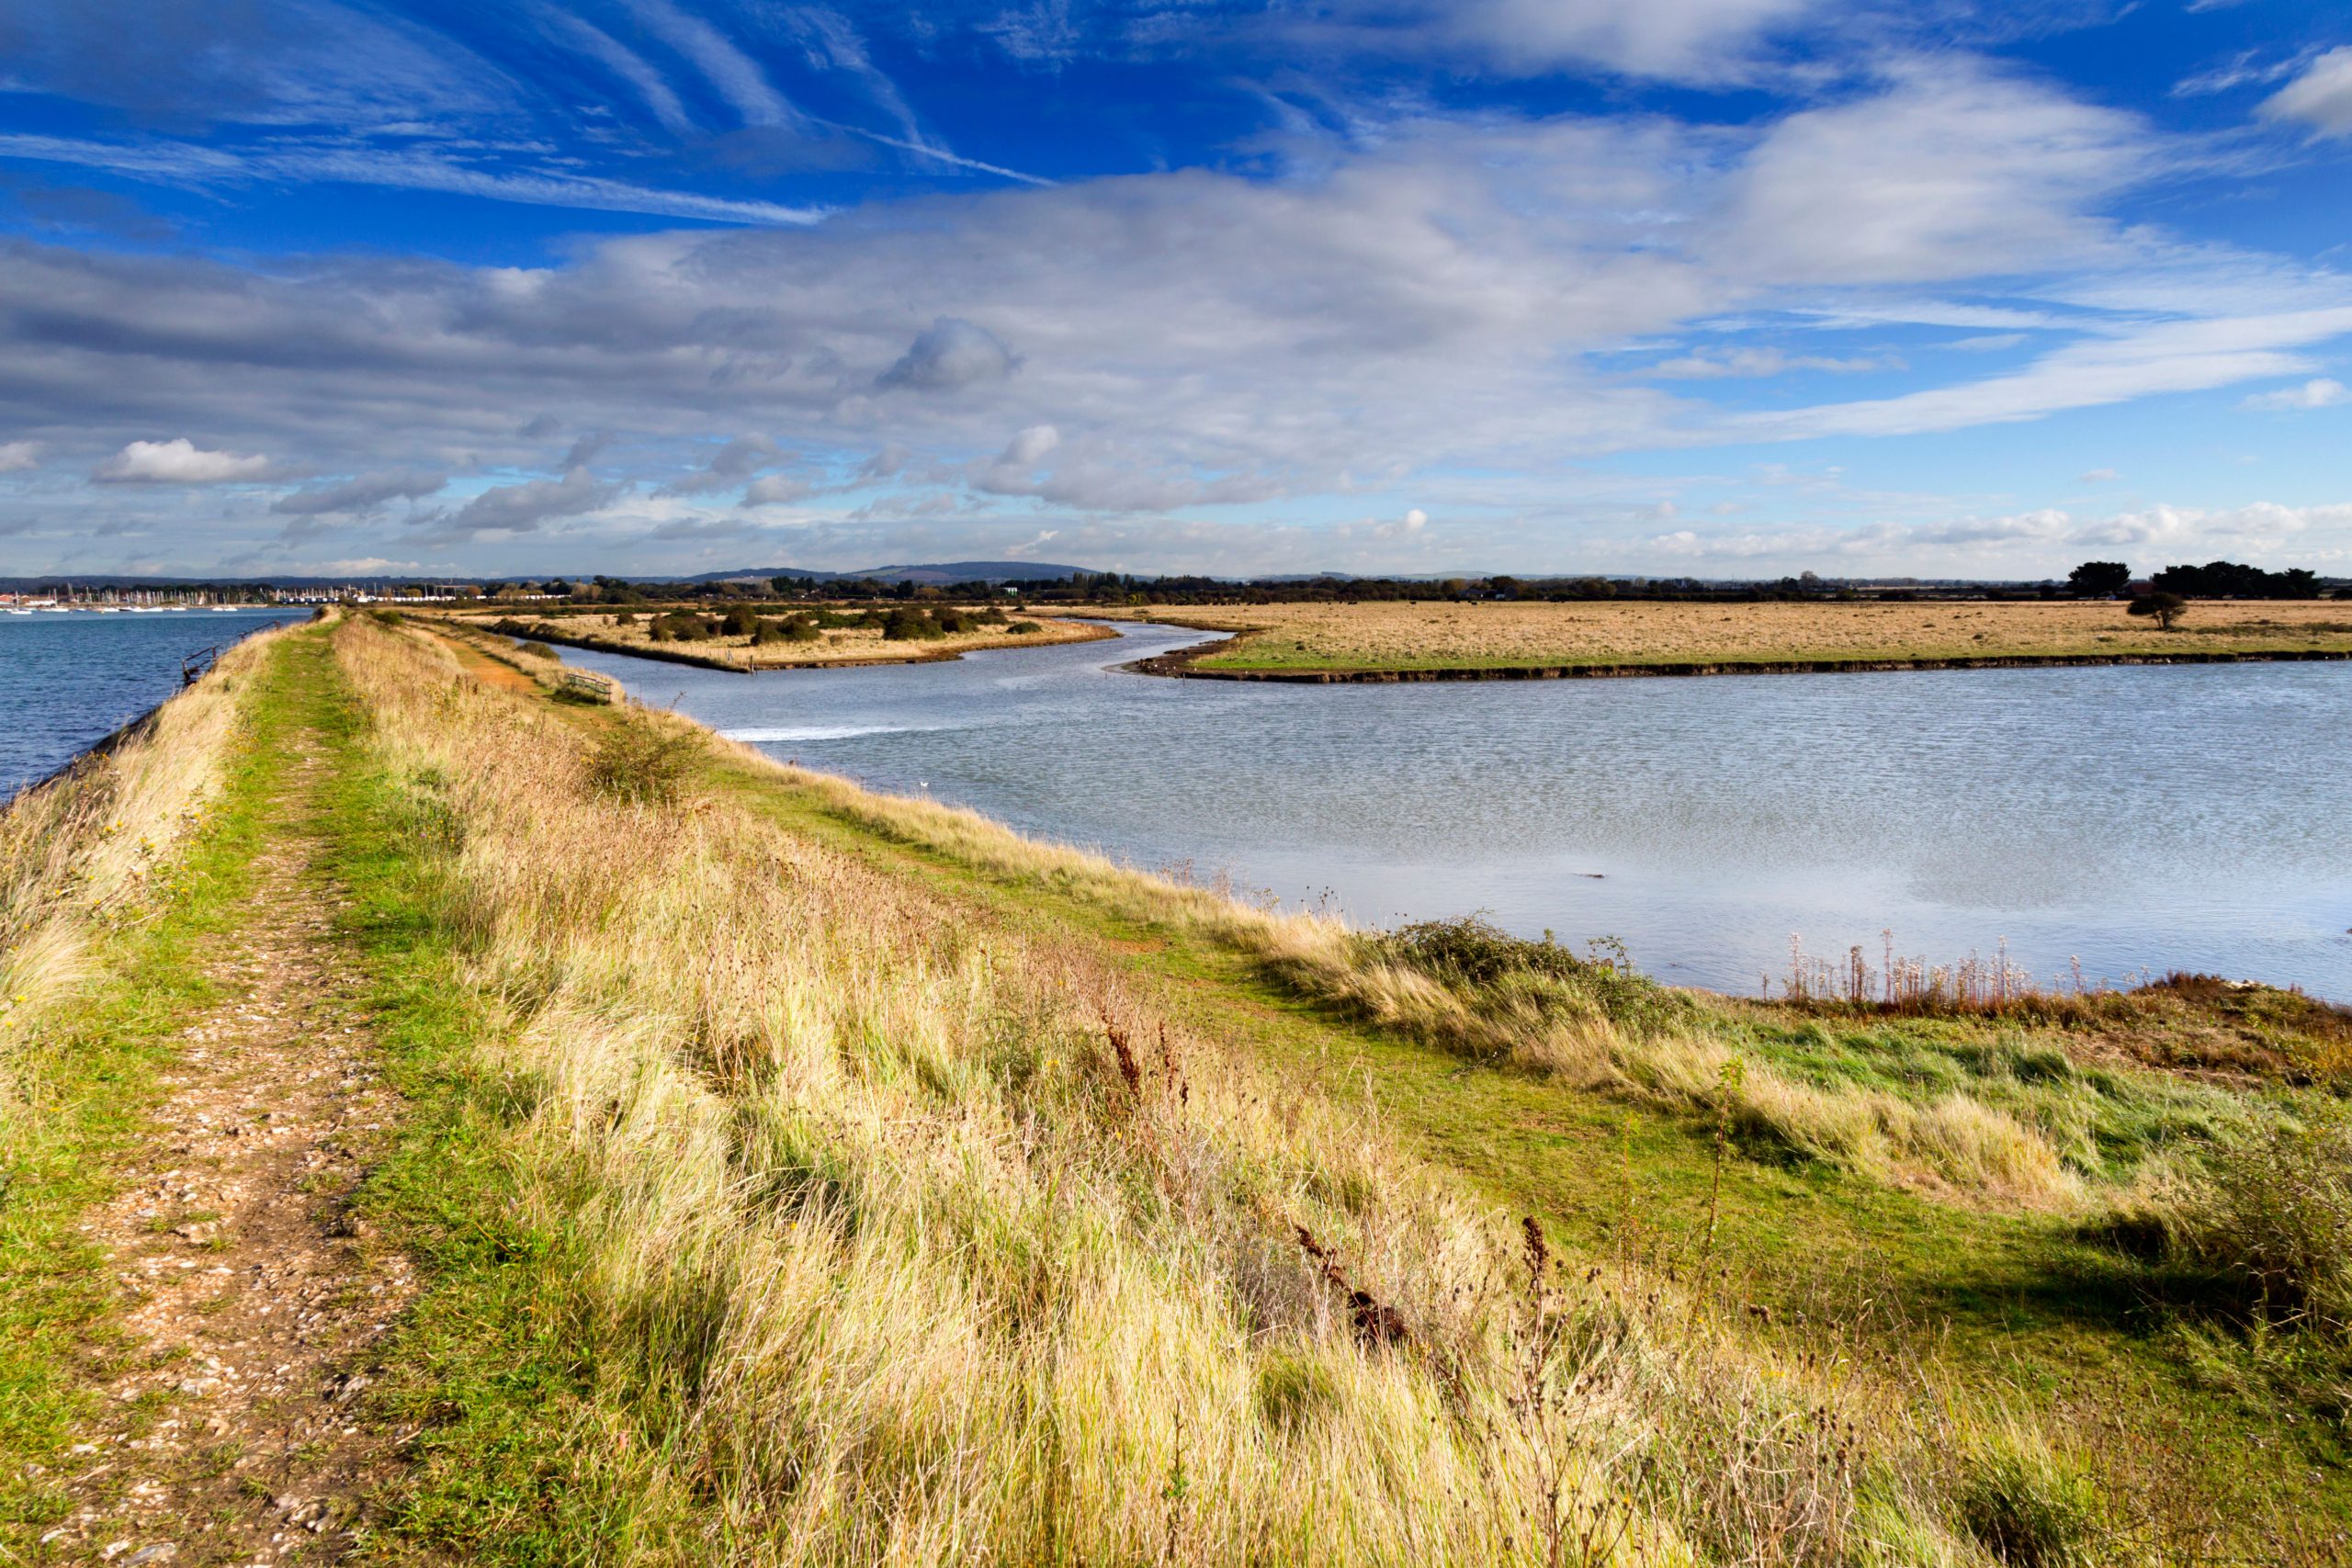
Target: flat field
[(839, 646), (1498, 635)]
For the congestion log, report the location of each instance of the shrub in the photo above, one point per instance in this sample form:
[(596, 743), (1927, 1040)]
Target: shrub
[(2163, 608), (741, 620), (2028, 1507), (640, 764), (1515, 976), (2276, 1216), (1024, 628), (538, 649), (908, 625)]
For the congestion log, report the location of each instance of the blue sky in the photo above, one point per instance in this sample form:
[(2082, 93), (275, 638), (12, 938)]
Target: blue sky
[(1728, 287)]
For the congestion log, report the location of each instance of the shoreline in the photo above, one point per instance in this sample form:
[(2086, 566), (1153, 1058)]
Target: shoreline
[(1182, 664)]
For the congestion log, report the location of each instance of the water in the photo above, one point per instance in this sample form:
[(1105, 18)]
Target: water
[(69, 679), (2139, 820)]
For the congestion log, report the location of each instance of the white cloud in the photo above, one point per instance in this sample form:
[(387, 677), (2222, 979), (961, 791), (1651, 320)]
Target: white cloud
[(1027, 448), (2100, 476), (17, 456), (2319, 98), (2317, 393), (178, 461), (1953, 173)]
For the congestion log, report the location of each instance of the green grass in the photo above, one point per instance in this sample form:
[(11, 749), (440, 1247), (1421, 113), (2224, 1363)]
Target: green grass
[(488, 1369), (2014, 1304), (91, 1078)]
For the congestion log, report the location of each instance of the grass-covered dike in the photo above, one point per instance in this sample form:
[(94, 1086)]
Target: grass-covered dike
[(800, 1175)]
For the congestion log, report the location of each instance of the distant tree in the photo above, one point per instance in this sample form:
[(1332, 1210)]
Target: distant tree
[(2099, 578), (2233, 579), (740, 621), (2165, 608)]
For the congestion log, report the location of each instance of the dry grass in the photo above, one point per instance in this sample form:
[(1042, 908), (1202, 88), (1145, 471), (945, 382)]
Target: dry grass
[(1492, 635), (78, 850), (1996, 1135), (935, 1244), (836, 648)]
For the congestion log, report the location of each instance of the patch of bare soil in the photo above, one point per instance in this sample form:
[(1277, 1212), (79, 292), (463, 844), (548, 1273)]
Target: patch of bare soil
[(251, 1298)]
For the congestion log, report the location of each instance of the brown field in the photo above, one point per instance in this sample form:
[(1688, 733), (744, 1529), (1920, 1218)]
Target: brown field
[(846, 645), (1487, 635)]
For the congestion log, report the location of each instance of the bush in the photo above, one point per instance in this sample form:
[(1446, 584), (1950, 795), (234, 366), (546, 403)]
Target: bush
[(2028, 1508), (640, 764), (538, 649), (1024, 628), (2165, 608), (741, 620), (1498, 970), (1474, 951), (2276, 1216)]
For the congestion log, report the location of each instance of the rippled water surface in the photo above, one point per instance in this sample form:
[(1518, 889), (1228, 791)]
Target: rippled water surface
[(68, 679), (2137, 819)]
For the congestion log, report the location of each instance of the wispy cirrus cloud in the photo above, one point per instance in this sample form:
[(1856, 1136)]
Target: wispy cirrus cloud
[(410, 167)]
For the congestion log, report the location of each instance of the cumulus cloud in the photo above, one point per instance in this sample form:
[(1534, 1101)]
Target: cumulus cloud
[(17, 456), (361, 492), (178, 461), (2317, 393), (2320, 98), (948, 355)]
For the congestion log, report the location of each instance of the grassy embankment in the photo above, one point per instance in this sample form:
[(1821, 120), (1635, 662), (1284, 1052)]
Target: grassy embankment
[(861, 1197), (1303, 639), (804, 1176), (788, 636), (117, 883)]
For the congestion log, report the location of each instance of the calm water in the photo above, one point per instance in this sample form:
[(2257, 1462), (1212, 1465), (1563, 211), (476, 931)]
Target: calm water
[(68, 680), (2137, 819)]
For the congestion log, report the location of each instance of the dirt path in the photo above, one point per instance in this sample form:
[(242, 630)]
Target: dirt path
[(251, 1298)]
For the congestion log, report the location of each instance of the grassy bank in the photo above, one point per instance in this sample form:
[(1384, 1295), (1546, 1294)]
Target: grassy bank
[(1299, 639)]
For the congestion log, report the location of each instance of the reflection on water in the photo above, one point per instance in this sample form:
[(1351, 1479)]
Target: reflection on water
[(2137, 819)]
